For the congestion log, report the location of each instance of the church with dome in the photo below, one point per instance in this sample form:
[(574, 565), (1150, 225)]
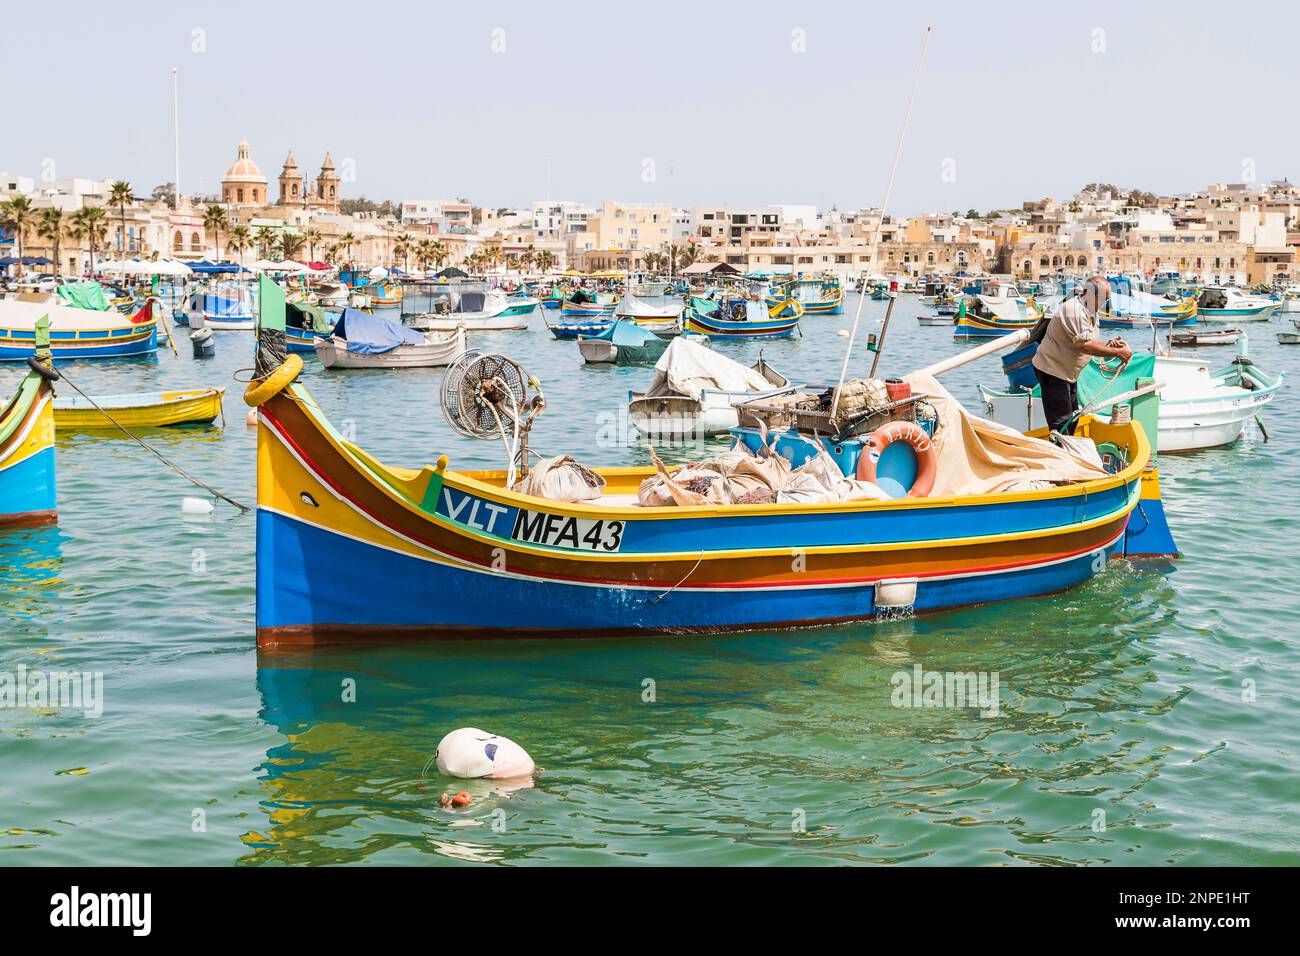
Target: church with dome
[(244, 184)]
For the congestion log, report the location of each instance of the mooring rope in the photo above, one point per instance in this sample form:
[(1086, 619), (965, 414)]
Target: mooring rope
[(149, 448)]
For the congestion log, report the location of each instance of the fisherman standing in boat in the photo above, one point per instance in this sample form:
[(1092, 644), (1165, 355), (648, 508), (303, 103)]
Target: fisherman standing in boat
[(1072, 339)]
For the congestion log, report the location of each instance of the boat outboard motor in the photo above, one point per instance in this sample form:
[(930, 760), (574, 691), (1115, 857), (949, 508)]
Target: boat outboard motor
[(204, 345)]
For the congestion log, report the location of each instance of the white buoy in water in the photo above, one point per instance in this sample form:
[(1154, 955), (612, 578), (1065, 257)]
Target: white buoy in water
[(843, 333), (251, 418), (196, 507), (472, 753)]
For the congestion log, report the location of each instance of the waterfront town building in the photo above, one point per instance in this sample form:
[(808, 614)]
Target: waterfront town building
[(1238, 232)]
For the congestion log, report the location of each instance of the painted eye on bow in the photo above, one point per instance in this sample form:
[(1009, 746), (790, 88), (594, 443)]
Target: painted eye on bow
[(307, 499)]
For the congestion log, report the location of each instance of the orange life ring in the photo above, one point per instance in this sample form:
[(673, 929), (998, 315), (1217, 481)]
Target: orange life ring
[(927, 458)]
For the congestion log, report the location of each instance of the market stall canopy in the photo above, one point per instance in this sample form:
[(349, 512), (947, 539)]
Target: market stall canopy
[(451, 272), (710, 268), (285, 265), (211, 268)]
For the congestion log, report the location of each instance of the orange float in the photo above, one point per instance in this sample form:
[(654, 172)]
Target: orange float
[(927, 457)]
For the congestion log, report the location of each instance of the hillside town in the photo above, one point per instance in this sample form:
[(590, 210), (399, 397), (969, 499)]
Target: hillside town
[(1237, 233)]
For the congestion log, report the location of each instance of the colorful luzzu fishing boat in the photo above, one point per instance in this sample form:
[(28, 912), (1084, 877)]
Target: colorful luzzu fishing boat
[(980, 317), (742, 318), (75, 333), (437, 552), (818, 295), (28, 497)]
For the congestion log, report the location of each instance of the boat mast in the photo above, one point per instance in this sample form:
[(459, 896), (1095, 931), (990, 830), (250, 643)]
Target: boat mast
[(875, 239), (176, 126)]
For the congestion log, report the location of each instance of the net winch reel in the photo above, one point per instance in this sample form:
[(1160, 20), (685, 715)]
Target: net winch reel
[(487, 396)]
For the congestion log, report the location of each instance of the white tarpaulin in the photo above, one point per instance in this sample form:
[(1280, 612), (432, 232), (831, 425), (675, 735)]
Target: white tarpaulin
[(639, 308), (687, 368)]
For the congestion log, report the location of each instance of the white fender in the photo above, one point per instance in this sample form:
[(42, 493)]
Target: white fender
[(471, 753)]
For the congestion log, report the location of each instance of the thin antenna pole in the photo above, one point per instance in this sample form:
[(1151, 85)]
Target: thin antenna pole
[(176, 124), (875, 241)]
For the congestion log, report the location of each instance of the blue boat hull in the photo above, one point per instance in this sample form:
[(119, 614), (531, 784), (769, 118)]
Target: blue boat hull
[(298, 584), (65, 347), (28, 488)]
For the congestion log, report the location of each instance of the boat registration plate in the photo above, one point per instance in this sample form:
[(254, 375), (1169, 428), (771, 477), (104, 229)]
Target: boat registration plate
[(565, 531)]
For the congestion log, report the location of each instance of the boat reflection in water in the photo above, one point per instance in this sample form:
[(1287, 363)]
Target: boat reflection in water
[(33, 567)]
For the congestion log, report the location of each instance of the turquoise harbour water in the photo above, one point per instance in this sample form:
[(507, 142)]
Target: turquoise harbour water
[(1160, 703)]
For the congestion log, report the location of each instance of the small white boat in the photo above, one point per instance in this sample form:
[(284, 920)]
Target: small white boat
[(471, 305), (1290, 299), (227, 309), (366, 340), (1190, 340), (332, 295), (694, 392), (1229, 304), (1288, 338), (947, 320), (1199, 408)]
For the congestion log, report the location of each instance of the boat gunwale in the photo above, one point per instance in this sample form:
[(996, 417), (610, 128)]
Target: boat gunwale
[(471, 482)]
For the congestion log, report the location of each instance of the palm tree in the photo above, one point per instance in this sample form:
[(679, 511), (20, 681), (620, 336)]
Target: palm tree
[(265, 238), (438, 252), (546, 260), (88, 224), (403, 246), (239, 239), (528, 258), (423, 254), (51, 226), (290, 244), (689, 255), (17, 214), (214, 220), (119, 194), (311, 237), (674, 253), (346, 242)]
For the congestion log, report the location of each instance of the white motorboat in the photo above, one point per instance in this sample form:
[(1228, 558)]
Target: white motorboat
[(441, 307), (1199, 408), (1229, 304)]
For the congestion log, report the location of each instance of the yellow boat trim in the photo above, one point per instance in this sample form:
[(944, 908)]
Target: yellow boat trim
[(289, 505)]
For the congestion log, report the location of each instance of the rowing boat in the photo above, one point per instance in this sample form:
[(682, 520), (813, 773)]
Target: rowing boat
[(195, 406), (370, 340)]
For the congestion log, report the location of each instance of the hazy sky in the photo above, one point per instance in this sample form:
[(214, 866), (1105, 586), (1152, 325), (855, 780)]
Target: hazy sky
[(676, 102)]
